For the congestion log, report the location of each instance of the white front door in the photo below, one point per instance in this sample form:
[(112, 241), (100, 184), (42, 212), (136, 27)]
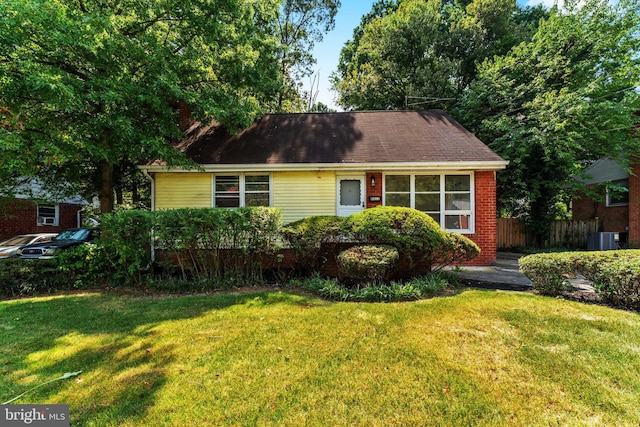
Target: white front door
[(350, 193)]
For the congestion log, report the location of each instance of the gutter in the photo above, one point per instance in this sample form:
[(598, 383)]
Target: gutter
[(299, 167)]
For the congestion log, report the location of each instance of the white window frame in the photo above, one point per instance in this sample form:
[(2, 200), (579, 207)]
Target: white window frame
[(242, 184), (43, 221), (611, 203), (443, 212)]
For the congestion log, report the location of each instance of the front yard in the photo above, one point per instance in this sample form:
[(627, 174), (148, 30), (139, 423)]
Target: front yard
[(482, 358)]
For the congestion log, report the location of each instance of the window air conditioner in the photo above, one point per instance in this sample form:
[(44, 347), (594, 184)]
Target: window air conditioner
[(46, 220)]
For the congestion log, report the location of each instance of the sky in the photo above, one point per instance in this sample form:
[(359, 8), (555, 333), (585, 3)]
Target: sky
[(327, 52)]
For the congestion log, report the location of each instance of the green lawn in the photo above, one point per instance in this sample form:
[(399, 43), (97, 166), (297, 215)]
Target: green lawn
[(479, 358)]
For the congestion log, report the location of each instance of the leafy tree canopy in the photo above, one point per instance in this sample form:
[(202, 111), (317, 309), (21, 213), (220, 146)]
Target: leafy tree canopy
[(89, 84), (551, 105), (300, 24), (425, 49)]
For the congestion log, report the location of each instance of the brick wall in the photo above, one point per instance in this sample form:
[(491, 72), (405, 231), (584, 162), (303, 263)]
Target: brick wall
[(614, 218), (485, 215), (374, 191), (21, 217)]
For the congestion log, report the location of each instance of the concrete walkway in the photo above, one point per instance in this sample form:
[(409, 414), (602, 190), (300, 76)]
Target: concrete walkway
[(506, 275)]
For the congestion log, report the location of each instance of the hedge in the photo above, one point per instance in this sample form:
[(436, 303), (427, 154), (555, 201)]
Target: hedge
[(615, 274)]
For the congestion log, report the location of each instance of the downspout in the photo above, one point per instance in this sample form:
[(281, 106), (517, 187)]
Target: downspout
[(145, 172)]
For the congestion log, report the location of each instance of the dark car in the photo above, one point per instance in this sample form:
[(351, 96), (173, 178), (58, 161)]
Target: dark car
[(65, 240)]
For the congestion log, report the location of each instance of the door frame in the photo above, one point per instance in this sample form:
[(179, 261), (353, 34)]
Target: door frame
[(349, 210)]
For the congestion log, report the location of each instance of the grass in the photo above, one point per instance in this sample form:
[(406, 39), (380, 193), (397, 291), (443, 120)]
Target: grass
[(481, 358)]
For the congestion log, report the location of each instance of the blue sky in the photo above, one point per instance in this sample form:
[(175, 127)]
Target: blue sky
[(328, 52)]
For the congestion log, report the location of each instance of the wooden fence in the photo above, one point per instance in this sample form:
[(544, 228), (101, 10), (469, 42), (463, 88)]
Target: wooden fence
[(565, 233)]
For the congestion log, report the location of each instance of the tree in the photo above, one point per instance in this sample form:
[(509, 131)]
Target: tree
[(426, 49), (552, 105), (87, 85), (300, 24)]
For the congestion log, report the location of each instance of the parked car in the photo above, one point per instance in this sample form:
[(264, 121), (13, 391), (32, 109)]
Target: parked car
[(9, 248), (65, 240)]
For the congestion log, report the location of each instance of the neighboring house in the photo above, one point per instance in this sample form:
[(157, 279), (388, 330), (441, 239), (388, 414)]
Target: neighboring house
[(340, 164), (617, 210), (27, 212)]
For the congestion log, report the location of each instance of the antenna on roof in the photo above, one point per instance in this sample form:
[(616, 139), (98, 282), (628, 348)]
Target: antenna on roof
[(425, 100)]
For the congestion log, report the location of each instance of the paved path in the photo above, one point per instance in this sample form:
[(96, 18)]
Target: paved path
[(506, 275)]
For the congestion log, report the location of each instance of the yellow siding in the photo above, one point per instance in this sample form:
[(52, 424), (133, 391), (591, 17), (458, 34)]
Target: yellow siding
[(183, 190), (302, 194)]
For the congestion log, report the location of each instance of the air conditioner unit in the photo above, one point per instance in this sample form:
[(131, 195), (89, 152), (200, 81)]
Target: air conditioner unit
[(46, 220), (603, 241)]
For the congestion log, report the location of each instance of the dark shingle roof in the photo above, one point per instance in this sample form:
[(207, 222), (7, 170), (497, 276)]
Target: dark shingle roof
[(339, 138)]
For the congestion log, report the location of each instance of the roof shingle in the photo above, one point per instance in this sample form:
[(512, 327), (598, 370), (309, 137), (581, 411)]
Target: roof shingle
[(339, 138)]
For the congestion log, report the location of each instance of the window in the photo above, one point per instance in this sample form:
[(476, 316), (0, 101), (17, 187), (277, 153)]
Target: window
[(448, 199), (233, 191), (48, 215), (618, 194)]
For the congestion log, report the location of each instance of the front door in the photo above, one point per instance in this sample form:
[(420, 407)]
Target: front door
[(350, 194)]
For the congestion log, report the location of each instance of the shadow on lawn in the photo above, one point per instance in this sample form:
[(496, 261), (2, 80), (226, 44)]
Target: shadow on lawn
[(112, 339)]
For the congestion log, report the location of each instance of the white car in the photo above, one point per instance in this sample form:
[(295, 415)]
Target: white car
[(9, 248)]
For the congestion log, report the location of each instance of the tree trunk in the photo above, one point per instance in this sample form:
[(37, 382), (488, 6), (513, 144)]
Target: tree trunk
[(106, 187)]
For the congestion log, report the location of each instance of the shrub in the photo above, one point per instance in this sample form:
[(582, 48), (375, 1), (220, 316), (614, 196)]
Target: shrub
[(126, 243), (20, 277), (615, 275), (413, 233), (455, 249), (306, 236), (549, 272), (87, 265), (368, 262), (216, 245)]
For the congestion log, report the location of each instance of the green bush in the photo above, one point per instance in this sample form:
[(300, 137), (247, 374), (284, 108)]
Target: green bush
[(549, 273), (216, 245), (615, 275), (126, 243), (306, 236), (368, 262), (88, 266), (414, 234), (21, 277), (455, 249)]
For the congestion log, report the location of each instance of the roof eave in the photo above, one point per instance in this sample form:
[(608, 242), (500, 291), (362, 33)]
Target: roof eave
[(299, 167)]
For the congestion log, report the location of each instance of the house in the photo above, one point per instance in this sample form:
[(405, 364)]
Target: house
[(340, 164), (617, 210), (33, 210)]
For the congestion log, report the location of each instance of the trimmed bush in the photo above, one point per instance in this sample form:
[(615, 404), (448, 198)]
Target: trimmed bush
[(455, 249), (615, 274), (413, 233), (306, 236), (549, 272), (218, 245), (368, 262)]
